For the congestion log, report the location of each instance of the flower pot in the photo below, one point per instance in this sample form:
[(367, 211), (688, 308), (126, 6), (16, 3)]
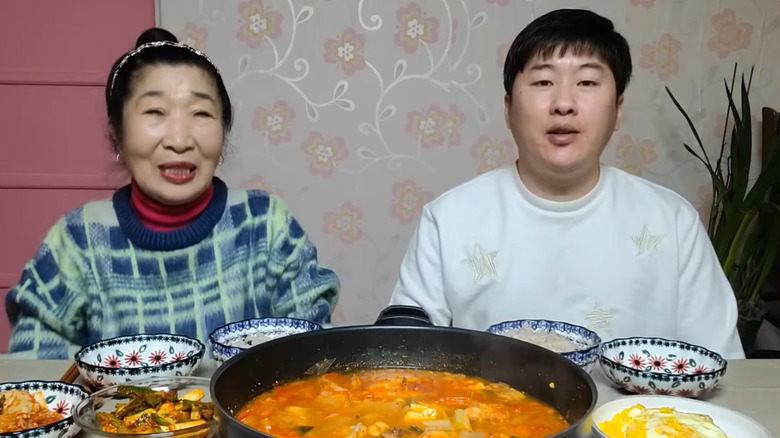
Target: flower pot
[(748, 323)]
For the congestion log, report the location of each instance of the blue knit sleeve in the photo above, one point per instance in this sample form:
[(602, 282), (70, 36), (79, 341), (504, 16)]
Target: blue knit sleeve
[(46, 307), (301, 286)]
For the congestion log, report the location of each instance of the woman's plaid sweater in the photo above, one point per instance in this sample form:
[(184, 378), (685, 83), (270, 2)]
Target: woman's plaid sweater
[(100, 274)]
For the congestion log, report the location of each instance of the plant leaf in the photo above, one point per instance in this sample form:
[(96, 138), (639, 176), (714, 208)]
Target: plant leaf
[(690, 124), (715, 180)]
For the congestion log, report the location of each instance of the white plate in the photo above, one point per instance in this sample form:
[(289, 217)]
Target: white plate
[(734, 424)]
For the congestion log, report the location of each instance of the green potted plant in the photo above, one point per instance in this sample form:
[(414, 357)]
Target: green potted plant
[(744, 220)]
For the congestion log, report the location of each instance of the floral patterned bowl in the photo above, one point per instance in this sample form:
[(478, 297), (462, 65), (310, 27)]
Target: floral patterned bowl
[(588, 341), (128, 358), (231, 339), (661, 366), (60, 397)]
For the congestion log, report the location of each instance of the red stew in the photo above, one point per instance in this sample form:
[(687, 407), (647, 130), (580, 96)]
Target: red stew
[(396, 403)]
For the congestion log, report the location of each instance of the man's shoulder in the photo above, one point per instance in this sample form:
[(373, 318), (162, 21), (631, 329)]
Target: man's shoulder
[(475, 191), (645, 194)]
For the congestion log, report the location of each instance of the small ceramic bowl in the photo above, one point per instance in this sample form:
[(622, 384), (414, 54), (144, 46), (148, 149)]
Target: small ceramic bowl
[(60, 397), (106, 400), (661, 366), (587, 341), (127, 358), (231, 339)]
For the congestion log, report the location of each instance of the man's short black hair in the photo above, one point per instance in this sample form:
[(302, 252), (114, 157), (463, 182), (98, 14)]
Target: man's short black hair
[(583, 32)]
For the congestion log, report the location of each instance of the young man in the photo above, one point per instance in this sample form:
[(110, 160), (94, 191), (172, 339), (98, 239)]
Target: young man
[(560, 236)]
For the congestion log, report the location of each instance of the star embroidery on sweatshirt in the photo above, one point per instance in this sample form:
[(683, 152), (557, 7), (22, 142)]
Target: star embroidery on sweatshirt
[(482, 263), (646, 242), (600, 320)]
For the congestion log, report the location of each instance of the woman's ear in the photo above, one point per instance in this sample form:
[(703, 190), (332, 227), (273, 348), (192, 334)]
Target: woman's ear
[(112, 137)]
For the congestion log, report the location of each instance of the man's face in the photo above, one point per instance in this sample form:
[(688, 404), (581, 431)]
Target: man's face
[(562, 113)]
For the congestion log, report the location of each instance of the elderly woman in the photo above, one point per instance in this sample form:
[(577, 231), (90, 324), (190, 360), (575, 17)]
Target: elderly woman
[(175, 251)]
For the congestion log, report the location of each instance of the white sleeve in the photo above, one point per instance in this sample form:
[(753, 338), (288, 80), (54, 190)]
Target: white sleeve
[(707, 307), (421, 281)]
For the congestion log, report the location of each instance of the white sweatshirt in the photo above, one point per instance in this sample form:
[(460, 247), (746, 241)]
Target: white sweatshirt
[(630, 258)]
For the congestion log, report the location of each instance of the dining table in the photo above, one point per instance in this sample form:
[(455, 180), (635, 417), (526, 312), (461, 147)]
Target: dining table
[(750, 386)]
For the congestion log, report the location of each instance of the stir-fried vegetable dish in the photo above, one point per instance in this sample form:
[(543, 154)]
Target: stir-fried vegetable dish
[(150, 411), (396, 403), (20, 410)]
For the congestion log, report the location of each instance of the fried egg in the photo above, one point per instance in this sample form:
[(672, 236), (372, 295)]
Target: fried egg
[(640, 422)]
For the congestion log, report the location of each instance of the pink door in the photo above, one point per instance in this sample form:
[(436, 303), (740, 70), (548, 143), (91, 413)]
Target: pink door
[(54, 154)]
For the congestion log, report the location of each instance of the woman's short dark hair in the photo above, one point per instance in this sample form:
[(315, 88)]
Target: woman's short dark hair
[(581, 31), (156, 46)]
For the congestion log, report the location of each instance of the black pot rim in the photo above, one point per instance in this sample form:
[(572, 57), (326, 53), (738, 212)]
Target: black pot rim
[(230, 418)]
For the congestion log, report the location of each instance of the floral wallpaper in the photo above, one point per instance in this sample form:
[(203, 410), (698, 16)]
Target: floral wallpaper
[(357, 112)]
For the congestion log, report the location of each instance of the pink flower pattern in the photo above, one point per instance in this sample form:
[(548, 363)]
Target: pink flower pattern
[(344, 223), (636, 361), (134, 358), (635, 157), (346, 51), (62, 408), (729, 34), (275, 122), (194, 36), (157, 358), (178, 356), (491, 154), (453, 125), (662, 56), (414, 28), (257, 23), (657, 363), (112, 362), (427, 125), (680, 366), (408, 201), (324, 153)]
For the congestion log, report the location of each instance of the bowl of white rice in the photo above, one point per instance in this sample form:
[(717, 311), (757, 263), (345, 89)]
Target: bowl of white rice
[(231, 339), (574, 342)]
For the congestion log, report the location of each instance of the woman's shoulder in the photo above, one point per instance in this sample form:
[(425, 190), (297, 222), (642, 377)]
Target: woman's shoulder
[(258, 203), (74, 225)]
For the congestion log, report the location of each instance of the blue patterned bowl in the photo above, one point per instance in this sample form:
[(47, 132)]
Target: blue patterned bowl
[(60, 397), (587, 341), (231, 339), (661, 366), (127, 358)]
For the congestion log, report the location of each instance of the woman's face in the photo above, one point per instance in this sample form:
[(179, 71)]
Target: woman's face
[(172, 135)]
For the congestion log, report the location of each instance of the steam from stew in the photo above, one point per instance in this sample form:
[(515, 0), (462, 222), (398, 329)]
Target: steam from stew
[(396, 403)]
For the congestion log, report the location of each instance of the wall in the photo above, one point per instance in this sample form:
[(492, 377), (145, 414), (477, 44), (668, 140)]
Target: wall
[(359, 112), (54, 154)]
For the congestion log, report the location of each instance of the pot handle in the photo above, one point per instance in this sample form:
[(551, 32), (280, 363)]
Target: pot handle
[(404, 316)]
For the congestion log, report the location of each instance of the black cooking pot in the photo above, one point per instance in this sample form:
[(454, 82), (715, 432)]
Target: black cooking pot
[(403, 337)]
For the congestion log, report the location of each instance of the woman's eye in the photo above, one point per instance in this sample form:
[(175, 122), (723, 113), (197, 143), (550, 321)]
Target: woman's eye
[(542, 83), (154, 112), (203, 114)]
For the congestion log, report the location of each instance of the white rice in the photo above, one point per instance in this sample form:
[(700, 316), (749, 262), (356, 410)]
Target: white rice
[(543, 338), (252, 339)]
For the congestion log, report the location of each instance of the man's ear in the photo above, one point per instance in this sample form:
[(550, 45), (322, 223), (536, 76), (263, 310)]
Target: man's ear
[(619, 112), (507, 104)]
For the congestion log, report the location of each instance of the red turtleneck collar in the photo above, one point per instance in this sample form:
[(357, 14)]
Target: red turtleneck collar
[(159, 217)]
